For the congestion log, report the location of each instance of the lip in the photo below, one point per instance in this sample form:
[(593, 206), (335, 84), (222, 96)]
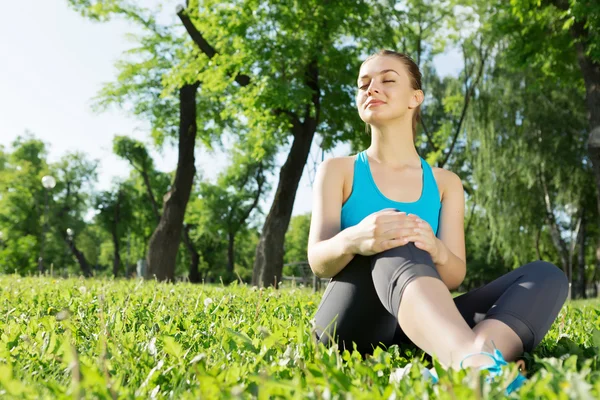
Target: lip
[(374, 102)]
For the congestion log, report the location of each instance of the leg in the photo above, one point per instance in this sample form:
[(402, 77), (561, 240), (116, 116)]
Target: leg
[(350, 311), (519, 307), (409, 286)]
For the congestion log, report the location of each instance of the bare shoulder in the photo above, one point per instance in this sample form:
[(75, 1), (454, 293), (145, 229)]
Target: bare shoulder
[(447, 181), (340, 163), (338, 171), (341, 167)]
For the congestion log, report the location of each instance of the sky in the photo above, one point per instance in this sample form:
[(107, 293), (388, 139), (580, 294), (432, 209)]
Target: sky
[(55, 61)]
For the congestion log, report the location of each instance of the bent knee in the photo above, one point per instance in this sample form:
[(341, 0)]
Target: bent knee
[(402, 256), (549, 275)]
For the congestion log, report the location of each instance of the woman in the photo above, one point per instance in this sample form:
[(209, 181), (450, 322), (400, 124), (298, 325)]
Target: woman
[(388, 230)]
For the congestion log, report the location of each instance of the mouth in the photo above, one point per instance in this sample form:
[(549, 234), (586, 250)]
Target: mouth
[(374, 103)]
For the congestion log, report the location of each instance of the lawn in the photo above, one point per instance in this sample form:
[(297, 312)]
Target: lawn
[(94, 338)]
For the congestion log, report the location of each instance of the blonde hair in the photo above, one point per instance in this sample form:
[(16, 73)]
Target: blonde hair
[(414, 75)]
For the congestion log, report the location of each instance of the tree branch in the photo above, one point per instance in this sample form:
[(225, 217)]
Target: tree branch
[(554, 229), (469, 93), (429, 137), (241, 79), (260, 181)]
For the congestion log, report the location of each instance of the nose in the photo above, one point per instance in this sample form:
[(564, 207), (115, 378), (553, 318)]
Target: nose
[(372, 88)]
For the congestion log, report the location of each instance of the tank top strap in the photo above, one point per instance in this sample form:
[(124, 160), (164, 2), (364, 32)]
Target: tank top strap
[(430, 189), (361, 168)]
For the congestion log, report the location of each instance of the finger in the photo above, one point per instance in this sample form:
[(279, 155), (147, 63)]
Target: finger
[(388, 209), (422, 246), (415, 237), (387, 216), (391, 211), (390, 216), (391, 224), (408, 218), (393, 231), (423, 222), (390, 244), (423, 225), (420, 234)]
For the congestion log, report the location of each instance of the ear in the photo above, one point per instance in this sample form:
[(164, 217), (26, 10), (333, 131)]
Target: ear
[(416, 99)]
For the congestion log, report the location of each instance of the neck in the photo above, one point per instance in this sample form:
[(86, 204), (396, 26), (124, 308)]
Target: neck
[(393, 145)]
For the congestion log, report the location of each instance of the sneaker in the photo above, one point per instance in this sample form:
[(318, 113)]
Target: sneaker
[(399, 373), (495, 369)]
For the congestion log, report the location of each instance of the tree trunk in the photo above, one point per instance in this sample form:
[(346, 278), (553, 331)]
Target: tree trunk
[(235, 227), (230, 254), (555, 234), (85, 267), (537, 244), (194, 274), (164, 243), (580, 285), (194, 256), (115, 236), (116, 257), (590, 69), (268, 261), (591, 77), (150, 195)]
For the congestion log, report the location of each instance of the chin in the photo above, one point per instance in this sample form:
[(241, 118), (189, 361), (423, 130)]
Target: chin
[(381, 119), (376, 120)]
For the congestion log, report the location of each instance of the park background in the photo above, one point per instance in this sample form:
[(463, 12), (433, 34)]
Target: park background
[(189, 137), (94, 97)]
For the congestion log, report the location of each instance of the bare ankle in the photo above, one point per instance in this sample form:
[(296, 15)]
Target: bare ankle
[(471, 357)]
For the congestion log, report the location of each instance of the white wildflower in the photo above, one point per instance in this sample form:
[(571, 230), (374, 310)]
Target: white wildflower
[(399, 373), (152, 347)]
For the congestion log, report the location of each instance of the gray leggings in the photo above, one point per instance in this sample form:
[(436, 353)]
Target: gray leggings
[(361, 302)]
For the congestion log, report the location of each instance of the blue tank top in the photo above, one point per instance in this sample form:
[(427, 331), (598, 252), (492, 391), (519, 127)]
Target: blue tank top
[(366, 198)]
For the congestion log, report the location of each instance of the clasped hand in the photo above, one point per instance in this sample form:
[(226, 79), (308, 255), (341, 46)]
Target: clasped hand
[(390, 228)]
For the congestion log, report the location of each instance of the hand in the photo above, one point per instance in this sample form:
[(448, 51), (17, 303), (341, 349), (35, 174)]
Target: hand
[(382, 231), (424, 239)]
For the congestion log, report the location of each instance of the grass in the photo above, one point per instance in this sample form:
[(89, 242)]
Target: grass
[(72, 338)]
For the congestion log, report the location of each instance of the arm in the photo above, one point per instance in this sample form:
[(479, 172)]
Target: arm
[(329, 250), (451, 263)]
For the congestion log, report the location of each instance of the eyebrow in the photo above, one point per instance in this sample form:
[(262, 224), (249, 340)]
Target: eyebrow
[(379, 73)]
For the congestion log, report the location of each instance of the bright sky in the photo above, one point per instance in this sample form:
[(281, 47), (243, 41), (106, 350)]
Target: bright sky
[(54, 62)]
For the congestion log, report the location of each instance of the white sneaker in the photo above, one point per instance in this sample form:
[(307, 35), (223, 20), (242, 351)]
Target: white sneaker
[(399, 373)]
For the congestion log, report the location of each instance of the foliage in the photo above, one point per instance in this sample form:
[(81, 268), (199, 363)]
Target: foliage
[(225, 211), (296, 244), (24, 219), (122, 339)]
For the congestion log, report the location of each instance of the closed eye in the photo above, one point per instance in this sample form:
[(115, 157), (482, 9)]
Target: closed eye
[(363, 87)]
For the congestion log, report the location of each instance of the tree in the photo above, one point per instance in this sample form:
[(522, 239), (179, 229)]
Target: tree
[(23, 215), (161, 83), (75, 177), (520, 122), (288, 68), (233, 198), (22, 203), (136, 153), (296, 242), (115, 216)]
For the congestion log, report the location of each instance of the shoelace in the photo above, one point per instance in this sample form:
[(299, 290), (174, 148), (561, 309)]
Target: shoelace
[(495, 369)]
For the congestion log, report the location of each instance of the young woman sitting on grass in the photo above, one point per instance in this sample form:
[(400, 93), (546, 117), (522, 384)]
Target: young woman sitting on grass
[(388, 230)]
